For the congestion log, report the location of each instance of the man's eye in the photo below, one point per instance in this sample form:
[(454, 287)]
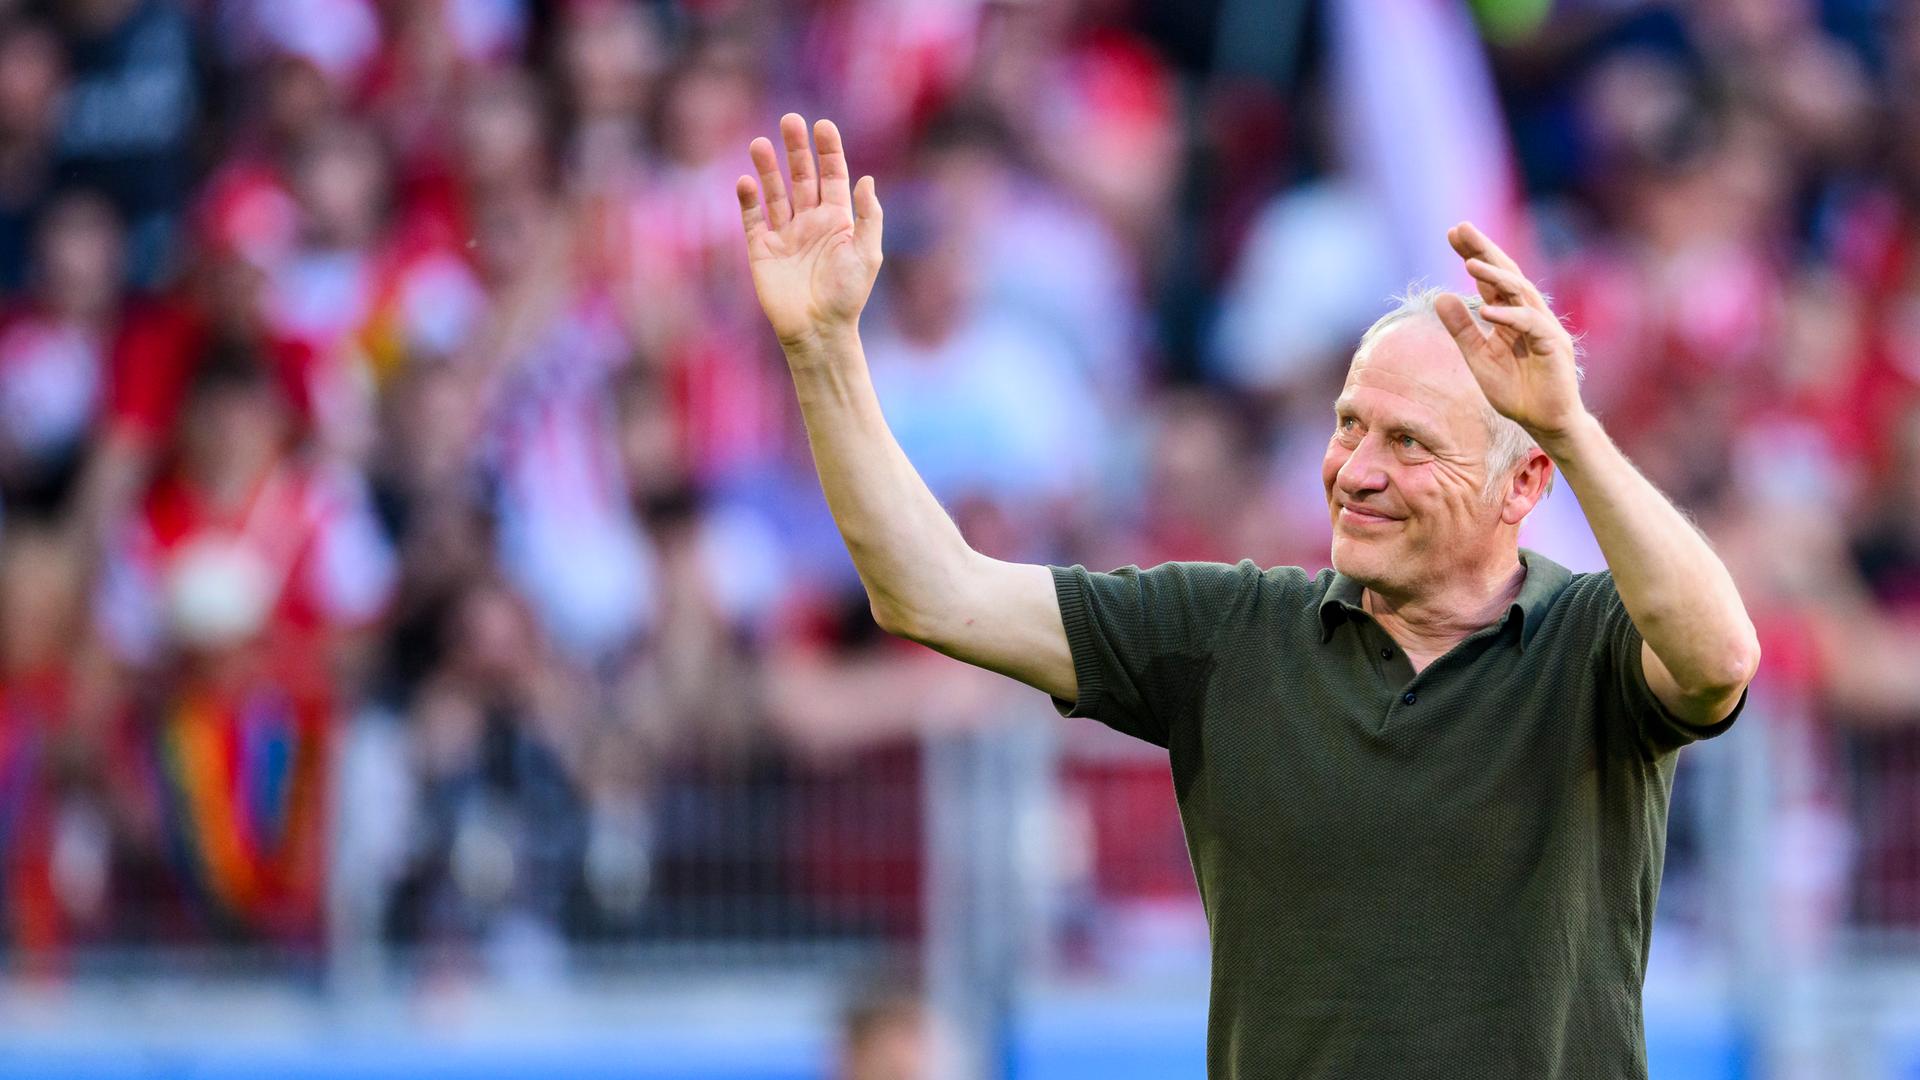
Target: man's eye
[(1346, 422), (1408, 442)]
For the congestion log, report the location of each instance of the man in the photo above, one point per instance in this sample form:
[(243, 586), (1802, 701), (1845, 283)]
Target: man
[(887, 1033), (1426, 791)]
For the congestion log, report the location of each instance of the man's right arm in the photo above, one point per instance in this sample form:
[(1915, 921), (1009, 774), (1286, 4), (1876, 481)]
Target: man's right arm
[(814, 255), (920, 575), (923, 580)]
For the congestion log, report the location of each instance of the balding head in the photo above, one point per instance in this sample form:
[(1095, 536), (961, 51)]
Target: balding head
[(1508, 444), (1419, 480)]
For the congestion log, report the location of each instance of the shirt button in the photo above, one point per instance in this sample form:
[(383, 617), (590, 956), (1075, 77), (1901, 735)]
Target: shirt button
[(1408, 697), (1386, 654)]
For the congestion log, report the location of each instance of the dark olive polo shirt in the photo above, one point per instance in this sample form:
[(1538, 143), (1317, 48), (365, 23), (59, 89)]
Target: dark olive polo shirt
[(1448, 874)]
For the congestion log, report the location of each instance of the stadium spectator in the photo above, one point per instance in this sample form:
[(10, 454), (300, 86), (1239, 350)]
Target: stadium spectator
[(130, 110), (55, 746), (497, 741), (53, 354), (885, 1035), (970, 386), (233, 600), (32, 79)]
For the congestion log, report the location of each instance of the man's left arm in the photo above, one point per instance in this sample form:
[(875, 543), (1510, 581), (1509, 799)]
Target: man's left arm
[(1699, 650)]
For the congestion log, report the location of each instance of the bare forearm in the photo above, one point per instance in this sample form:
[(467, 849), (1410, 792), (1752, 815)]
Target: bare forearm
[(1679, 593), (909, 554), (814, 251)]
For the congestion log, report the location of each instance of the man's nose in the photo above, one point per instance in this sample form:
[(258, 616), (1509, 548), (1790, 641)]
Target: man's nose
[(1363, 470)]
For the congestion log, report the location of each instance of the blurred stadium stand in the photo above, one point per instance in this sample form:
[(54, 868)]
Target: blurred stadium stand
[(424, 650)]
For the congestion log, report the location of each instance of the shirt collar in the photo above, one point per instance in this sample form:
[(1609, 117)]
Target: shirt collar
[(1545, 578)]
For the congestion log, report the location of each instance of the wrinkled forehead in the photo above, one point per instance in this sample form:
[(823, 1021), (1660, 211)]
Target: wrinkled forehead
[(1415, 371)]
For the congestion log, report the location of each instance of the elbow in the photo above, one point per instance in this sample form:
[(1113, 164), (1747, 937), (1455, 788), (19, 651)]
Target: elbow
[(1749, 657), (894, 621), (1740, 664)]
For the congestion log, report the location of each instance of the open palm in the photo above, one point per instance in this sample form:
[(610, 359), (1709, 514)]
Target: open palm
[(813, 254)]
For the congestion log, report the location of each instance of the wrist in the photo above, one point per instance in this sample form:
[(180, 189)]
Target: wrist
[(1569, 441), (818, 343)]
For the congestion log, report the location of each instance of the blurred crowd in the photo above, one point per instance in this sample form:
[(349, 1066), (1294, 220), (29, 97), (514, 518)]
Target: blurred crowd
[(397, 474)]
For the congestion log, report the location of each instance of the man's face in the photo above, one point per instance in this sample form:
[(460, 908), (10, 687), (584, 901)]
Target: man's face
[(1407, 463)]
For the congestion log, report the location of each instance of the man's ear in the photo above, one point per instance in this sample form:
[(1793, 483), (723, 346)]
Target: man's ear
[(1527, 487)]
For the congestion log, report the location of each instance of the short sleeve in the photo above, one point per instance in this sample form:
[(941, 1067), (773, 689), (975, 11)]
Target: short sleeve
[(1656, 730), (1143, 640)]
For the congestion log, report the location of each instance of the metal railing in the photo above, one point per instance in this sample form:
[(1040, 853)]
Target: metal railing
[(1005, 861)]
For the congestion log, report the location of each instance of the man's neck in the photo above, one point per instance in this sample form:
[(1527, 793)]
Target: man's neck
[(1428, 624)]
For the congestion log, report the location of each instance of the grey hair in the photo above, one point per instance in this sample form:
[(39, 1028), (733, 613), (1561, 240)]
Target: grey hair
[(1508, 443)]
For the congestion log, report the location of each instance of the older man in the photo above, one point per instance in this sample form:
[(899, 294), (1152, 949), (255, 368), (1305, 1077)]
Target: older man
[(1425, 791)]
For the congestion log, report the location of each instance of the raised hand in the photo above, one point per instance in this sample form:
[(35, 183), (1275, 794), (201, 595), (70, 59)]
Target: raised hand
[(813, 254), (1525, 360)]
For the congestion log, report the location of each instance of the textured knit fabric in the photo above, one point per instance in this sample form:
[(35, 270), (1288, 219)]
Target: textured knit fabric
[(1448, 874)]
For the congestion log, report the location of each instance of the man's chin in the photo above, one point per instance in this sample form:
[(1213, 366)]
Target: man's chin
[(1365, 561)]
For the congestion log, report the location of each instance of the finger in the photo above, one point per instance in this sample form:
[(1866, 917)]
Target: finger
[(752, 217), (866, 219), (1535, 325), (767, 164), (1469, 242), (1508, 287), (806, 182), (834, 189), (1489, 292), (1468, 334)]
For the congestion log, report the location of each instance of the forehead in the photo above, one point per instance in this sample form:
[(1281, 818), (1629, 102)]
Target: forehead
[(1414, 372)]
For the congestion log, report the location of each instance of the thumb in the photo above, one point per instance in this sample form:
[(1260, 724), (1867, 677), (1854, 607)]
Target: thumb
[(866, 219)]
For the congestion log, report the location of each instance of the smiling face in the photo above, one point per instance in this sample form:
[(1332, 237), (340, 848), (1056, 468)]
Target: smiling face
[(1406, 468)]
